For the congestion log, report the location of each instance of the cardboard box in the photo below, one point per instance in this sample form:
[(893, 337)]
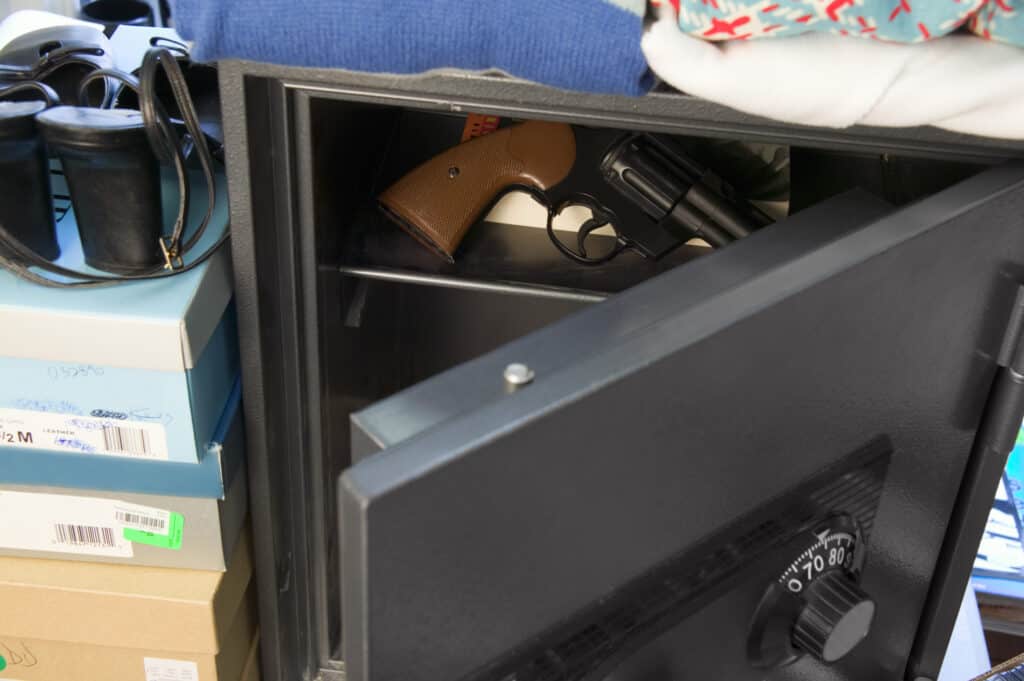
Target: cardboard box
[(139, 370), (88, 622), (139, 529)]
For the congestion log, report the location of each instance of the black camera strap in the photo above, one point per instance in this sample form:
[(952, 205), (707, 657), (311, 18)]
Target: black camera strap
[(36, 88), (169, 147)]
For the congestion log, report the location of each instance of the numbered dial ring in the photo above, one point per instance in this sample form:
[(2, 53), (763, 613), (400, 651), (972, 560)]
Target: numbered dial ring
[(833, 550)]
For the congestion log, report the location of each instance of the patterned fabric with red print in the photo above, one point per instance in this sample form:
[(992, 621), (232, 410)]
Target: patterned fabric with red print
[(905, 21)]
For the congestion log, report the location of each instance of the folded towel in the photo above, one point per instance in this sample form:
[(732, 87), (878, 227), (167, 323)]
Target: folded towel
[(959, 83), (591, 45)]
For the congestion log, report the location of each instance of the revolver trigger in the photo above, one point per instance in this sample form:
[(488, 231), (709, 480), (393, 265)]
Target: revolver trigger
[(588, 226)]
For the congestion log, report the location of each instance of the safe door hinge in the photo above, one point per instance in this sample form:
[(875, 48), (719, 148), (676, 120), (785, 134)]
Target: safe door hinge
[(1005, 408), (996, 436), (1011, 352)]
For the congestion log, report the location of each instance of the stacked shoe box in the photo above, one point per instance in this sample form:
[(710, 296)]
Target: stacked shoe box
[(123, 497)]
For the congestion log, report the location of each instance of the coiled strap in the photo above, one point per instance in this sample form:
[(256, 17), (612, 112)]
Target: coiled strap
[(47, 93), (169, 148)]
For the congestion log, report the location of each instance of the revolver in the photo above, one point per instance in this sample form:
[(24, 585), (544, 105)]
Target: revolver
[(647, 191)]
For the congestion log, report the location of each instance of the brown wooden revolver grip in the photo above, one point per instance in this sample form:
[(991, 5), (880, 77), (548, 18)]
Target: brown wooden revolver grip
[(440, 200)]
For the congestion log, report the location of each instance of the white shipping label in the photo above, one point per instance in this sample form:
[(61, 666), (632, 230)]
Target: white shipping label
[(143, 518), (63, 524), (158, 669), (84, 434)]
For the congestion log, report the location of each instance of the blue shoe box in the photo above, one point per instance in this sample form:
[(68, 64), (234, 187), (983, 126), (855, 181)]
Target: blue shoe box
[(208, 479), (118, 510), (139, 371)]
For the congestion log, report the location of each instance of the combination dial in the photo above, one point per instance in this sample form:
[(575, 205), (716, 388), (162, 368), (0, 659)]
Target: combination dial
[(832, 548), (815, 606)]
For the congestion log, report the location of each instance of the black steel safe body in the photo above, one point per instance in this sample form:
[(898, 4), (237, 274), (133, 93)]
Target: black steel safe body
[(756, 368)]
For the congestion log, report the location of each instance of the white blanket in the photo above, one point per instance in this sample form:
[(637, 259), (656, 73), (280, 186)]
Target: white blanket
[(960, 83)]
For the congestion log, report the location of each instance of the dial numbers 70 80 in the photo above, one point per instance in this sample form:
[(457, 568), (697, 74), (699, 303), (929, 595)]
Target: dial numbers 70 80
[(831, 551)]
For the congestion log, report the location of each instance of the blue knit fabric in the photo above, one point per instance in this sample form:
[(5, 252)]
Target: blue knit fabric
[(591, 45)]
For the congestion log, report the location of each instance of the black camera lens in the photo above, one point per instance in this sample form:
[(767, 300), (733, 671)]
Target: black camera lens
[(114, 13), (114, 181), (26, 208)]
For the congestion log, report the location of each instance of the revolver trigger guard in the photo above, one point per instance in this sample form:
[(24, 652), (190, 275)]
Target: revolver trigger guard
[(555, 211), (601, 216)]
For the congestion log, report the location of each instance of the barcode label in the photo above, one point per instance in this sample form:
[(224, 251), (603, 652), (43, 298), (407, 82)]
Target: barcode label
[(131, 441), (58, 523), (83, 434), (144, 518), (152, 524), (85, 535)]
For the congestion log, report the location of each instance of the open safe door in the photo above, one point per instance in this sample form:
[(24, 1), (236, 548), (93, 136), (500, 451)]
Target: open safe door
[(772, 463)]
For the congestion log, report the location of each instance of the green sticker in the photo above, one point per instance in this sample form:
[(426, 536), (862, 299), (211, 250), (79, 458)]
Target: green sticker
[(171, 540), (3, 663)]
